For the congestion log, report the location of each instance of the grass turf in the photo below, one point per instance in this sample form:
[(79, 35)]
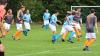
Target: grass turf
[(38, 43)]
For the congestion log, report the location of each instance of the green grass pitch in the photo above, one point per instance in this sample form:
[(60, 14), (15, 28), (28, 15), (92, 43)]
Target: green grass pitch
[(38, 43)]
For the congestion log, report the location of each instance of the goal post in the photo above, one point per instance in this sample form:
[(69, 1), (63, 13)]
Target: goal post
[(83, 7)]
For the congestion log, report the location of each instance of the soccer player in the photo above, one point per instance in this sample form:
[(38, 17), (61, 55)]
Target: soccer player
[(27, 20), (46, 18), (69, 18), (91, 21), (1, 49), (53, 24), (8, 20), (2, 13), (78, 13), (76, 24), (19, 22), (67, 27)]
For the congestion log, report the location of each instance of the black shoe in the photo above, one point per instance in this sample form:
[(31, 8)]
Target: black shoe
[(86, 48), (53, 41), (70, 41), (63, 40)]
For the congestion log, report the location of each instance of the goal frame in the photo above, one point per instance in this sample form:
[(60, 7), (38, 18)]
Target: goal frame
[(83, 7)]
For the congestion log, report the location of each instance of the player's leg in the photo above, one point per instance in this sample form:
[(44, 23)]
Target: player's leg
[(77, 29), (46, 24), (27, 28), (53, 29), (72, 33), (64, 34), (7, 28), (91, 37), (2, 30), (17, 34)]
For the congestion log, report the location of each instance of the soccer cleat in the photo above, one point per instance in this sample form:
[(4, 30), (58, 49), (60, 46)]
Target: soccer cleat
[(53, 39), (25, 33), (63, 40), (70, 41), (86, 48)]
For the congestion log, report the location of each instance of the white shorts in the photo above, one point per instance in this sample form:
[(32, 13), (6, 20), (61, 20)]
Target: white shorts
[(7, 26), (63, 30), (52, 27), (91, 35), (77, 26), (27, 25), (46, 22), (19, 26), (69, 28)]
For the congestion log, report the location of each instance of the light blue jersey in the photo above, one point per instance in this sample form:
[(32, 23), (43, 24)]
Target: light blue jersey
[(65, 23), (27, 18), (46, 16), (53, 19), (71, 18)]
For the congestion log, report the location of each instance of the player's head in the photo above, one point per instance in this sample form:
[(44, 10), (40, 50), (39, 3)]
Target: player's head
[(27, 11), (46, 10), (69, 12), (92, 11), (3, 2), (22, 8), (78, 9), (73, 12), (56, 12), (10, 11)]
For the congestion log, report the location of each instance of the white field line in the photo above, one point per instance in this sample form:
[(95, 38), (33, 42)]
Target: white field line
[(43, 52)]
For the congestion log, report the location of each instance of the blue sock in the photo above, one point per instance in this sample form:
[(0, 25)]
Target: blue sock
[(47, 26), (53, 37), (58, 36), (71, 36)]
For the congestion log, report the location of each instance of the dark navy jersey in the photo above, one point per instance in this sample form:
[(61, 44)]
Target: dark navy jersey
[(8, 19), (20, 18), (90, 23)]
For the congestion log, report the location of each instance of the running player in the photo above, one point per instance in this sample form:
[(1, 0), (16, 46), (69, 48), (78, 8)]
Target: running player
[(76, 24), (91, 21), (8, 20), (53, 24), (27, 20), (2, 13), (67, 27), (46, 18), (19, 22)]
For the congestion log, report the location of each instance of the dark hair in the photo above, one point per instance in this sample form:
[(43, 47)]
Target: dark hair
[(77, 8), (3, 2), (22, 6), (92, 10)]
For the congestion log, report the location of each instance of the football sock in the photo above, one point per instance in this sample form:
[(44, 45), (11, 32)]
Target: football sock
[(90, 42), (17, 35), (86, 42), (71, 36), (53, 37), (58, 36), (65, 35)]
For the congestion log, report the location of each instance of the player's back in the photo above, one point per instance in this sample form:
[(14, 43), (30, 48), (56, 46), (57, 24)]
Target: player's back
[(90, 22)]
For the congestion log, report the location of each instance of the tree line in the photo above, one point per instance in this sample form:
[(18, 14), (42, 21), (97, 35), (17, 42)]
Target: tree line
[(37, 7)]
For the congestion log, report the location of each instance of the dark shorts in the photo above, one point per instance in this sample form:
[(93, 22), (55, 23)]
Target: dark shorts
[(89, 30)]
